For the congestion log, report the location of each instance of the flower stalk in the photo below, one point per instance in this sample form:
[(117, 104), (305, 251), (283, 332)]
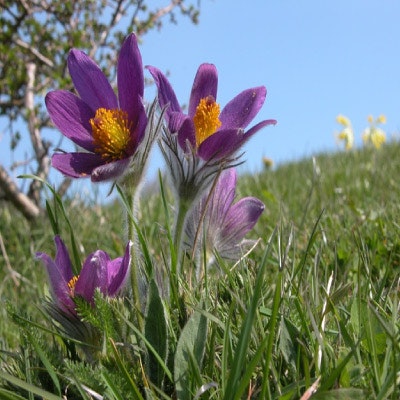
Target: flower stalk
[(134, 259)]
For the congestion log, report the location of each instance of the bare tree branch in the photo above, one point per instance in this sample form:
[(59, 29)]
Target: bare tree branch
[(39, 148), (22, 202), (35, 52)]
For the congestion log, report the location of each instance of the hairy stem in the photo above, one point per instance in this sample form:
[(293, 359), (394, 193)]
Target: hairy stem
[(134, 260)]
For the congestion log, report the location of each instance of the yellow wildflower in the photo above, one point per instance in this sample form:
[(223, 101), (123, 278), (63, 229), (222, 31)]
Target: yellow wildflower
[(341, 119), (374, 135), (346, 135)]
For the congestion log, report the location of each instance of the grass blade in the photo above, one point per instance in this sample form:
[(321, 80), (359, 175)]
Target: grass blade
[(239, 361)]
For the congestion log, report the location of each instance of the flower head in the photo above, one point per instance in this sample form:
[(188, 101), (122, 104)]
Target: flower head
[(346, 134), (99, 271), (222, 223), (110, 130), (212, 132), (373, 134), (196, 144)]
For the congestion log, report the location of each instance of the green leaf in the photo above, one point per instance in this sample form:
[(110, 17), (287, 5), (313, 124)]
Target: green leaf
[(239, 361), (340, 394), (125, 373), (155, 331), (53, 220), (289, 335), (76, 265), (7, 395), (335, 374), (46, 362), (190, 349), (111, 386), (28, 387)]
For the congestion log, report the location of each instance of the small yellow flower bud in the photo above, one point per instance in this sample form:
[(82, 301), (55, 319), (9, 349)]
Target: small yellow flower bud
[(341, 119), (382, 119)]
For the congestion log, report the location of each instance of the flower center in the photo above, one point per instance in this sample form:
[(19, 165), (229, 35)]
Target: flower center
[(71, 285), (111, 133), (206, 119)]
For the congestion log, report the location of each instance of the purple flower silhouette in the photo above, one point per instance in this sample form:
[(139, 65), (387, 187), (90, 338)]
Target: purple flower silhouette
[(110, 130), (211, 133), (98, 271), (222, 223)]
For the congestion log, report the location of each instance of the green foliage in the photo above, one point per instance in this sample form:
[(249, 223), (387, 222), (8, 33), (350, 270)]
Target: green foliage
[(189, 356), (313, 307), (155, 331)]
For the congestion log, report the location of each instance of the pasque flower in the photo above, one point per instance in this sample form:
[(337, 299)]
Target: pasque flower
[(110, 130), (206, 137), (214, 134), (219, 223), (99, 271)]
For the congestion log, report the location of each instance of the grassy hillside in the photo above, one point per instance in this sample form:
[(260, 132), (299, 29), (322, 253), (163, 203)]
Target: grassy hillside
[(325, 306)]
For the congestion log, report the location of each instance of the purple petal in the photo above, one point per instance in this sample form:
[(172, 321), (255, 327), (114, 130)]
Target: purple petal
[(241, 110), (63, 260), (241, 218), (59, 273), (222, 196), (224, 143), (166, 94), (176, 119), (221, 144), (112, 270), (71, 116), (138, 129), (118, 270), (205, 84), (76, 165), (110, 171), (260, 125), (90, 82), (130, 79), (93, 275), (187, 135), (254, 129)]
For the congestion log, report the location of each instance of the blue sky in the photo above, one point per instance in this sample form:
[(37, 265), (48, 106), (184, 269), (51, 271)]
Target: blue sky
[(316, 58)]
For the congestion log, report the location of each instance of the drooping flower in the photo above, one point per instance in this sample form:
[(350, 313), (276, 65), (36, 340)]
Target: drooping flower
[(218, 223), (346, 134), (99, 271), (109, 130), (198, 144), (373, 134)]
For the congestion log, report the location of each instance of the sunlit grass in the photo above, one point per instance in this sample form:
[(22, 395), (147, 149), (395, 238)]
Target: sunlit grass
[(316, 300)]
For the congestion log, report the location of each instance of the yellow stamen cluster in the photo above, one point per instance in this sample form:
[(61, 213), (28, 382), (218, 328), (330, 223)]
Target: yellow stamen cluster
[(71, 285), (111, 133), (206, 119)]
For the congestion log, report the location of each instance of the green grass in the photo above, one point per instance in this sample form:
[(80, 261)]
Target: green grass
[(318, 298)]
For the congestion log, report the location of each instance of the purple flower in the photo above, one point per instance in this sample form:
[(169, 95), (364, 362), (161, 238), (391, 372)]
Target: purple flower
[(213, 134), (110, 130), (98, 271), (222, 223), (198, 144)]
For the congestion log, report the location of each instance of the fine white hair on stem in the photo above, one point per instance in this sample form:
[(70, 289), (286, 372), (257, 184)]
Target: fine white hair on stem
[(323, 322)]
